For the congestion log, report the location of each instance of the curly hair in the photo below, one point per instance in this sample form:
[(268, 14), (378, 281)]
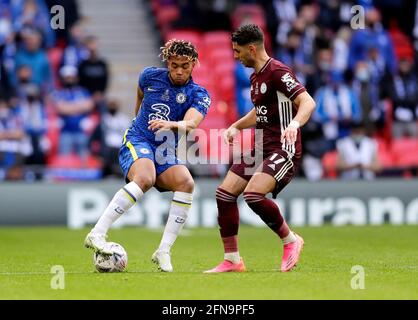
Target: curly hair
[(180, 48)]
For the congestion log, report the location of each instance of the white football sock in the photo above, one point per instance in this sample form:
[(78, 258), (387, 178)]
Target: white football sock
[(177, 216), (289, 238), (123, 200), (233, 257)]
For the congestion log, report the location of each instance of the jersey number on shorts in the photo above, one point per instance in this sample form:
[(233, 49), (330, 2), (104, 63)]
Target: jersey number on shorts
[(161, 112), (279, 160)]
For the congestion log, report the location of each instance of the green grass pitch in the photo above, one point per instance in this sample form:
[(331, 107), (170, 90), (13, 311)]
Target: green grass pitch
[(388, 254)]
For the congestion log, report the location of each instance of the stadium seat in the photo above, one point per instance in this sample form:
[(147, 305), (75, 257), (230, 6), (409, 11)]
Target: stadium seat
[(403, 146), (54, 57), (385, 158), (189, 35), (249, 13), (165, 16), (66, 162), (402, 44), (405, 152), (329, 163), (221, 54), (216, 39)]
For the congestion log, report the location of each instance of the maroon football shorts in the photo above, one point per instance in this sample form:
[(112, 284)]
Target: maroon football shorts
[(277, 163)]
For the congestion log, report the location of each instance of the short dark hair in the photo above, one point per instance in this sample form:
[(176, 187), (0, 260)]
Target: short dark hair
[(246, 34)]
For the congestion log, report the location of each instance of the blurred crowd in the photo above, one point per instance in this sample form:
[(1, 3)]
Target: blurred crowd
[(358, 59), (54, 115), (359, 63)]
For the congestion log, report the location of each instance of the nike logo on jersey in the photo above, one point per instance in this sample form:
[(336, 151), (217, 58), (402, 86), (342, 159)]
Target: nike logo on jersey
[(151, 89)]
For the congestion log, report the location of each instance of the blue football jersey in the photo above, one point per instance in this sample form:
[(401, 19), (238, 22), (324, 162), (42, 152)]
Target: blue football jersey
[(163, 100)]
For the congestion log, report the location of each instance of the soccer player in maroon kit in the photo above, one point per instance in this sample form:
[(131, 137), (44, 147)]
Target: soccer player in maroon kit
[(282, 106)]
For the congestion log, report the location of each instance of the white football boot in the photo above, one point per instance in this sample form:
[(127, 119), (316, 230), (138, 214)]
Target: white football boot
[(163, 260), (98, 243)]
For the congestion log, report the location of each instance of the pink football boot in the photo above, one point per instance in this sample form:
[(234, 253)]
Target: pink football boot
[(291, 254), (228, 266)]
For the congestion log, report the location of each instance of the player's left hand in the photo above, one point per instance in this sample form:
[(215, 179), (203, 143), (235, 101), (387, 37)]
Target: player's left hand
[(160, 125), (290, 134)]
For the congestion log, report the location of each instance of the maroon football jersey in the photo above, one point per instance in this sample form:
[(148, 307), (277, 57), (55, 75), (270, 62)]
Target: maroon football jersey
[(273, 90)]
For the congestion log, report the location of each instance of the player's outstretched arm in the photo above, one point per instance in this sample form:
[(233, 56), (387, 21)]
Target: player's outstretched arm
[(247, 121), (191, 121), (306, 106)]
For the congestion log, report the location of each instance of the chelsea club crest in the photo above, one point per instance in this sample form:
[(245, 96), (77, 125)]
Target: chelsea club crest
[(181, 97)]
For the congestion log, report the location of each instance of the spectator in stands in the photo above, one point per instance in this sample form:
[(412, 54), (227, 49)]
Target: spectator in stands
[(73, 104), (292, 54), (5, 84), (337, 106), (361, 39), (322, 69), (114, 125), (75, 52), (34, 56), (357, 155), (403, 92), (35, 124), (215, 14), (314, 146), (35, 15), (306, 25), (24, 78), (366, 84), (242, 89), (11, 138), (71, 17), (329, 15), (340, 50), (286, 13), (93, 72)]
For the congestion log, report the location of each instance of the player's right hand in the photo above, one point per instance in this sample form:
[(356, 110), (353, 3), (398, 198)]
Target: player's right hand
[(229, 135)]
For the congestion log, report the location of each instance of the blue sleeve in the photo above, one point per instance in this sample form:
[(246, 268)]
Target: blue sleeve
[(143, 78), (201, 101)]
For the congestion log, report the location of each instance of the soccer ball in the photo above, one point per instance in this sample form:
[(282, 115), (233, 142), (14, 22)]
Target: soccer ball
[(115, 262)]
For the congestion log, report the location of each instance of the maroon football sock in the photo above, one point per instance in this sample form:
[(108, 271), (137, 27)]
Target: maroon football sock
[(268, 211), (228, 219)]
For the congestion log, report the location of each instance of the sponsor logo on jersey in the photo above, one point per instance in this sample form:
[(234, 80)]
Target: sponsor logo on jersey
[(144, 150), (263, 88), (289, 81), (205, 103), (180, 97), (161, 112), (261, 112), (151, 89)]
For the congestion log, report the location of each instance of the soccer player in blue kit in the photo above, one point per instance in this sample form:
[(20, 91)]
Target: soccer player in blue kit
[(168, 103)]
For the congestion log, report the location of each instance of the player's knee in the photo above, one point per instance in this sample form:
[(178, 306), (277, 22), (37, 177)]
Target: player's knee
[(251, 197), (144, 182), (186, 185), (223, 194)]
